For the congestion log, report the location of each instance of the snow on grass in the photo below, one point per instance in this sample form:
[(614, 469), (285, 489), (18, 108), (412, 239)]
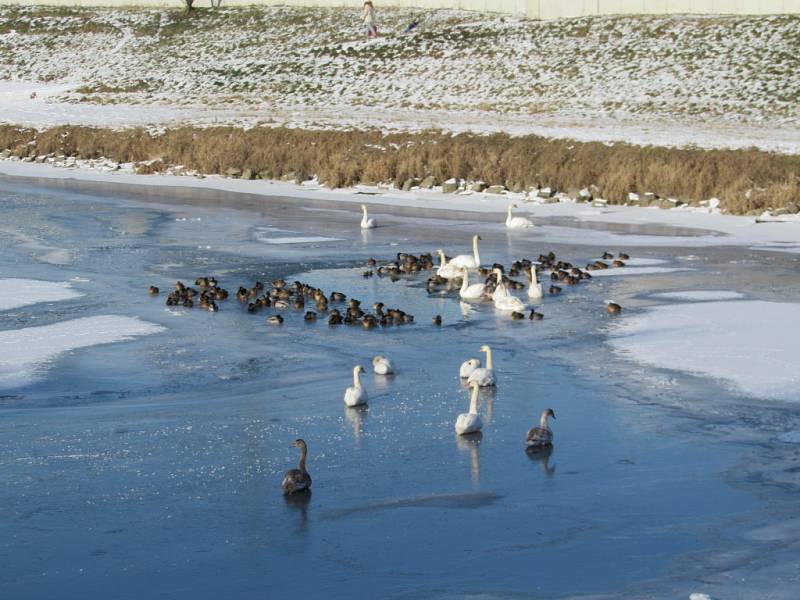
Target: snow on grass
[(737, 342), (705, 295), (23, 292), (667, 80), (25, 353)]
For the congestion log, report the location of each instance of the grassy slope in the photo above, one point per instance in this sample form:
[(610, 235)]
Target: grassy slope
[(727, 68)]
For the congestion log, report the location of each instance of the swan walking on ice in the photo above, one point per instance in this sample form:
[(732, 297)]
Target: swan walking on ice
[(468, 367), (366, 221), (484, 376), (534, 287), (517, 222), (472, 261), (470, 292), (470, 422), (356, 395), (541, 436), (446, 269), (382, 365), (297, 480)]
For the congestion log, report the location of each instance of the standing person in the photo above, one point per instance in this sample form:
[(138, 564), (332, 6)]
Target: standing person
[(369, 19)]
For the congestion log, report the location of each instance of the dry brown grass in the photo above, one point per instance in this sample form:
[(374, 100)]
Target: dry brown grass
[(744, 180)]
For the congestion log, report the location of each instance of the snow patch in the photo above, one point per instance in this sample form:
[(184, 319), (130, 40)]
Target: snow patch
[(737, 342), (24, 353), (23, 292), (701, 295), (637, 271)]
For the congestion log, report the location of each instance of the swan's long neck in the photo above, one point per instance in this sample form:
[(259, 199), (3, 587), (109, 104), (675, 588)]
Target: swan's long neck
[(473, 401), (534, 278), (357, 377), (465, 281), (364, 218), (441, 259), (489, 364), (475, 251), (508, 218), (543, 420), (303, 453)]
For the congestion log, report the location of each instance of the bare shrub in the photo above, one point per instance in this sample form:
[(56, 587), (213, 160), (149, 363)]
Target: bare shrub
[(744, 180)]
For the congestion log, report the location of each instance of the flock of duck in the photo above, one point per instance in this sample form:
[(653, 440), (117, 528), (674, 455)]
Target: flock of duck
[(452, 274)]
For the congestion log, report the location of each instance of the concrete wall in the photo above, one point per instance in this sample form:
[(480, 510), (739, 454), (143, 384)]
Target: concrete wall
[(537, 9)]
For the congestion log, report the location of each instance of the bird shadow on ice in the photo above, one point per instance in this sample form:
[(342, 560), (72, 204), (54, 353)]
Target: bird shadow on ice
[(542, 456)]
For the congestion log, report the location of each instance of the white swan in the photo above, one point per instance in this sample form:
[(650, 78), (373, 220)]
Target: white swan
[(472, 261), (470, 422), (500, 290), (534, 287), (356, 395), (517, 222), (447, 269), (382, 365), (468, 367), (502, 299), (484, 376), (470, 292), (366, 222)]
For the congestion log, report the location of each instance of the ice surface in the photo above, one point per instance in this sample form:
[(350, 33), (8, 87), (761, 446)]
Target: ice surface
[(677, 227), (24, 352), (637, 271), (701, 295), (22, 292), (734, 341), (790, 437), (154, 466)]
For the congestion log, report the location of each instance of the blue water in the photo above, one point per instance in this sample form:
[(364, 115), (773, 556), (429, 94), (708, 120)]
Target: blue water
[(152, 468)]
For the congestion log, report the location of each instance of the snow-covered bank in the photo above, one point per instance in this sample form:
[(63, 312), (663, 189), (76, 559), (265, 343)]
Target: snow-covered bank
[(25, 352), (15, 293), (678, 227), (752, 345), (667, 81)]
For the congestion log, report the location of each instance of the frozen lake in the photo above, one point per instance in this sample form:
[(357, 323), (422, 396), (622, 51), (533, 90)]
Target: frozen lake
[(142, 446)]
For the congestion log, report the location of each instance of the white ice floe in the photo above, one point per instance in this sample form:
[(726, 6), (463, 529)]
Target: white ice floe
[(309, 239), (704, 295), (23, 292), (752, 345), (637, 271), (643, 262), (698, 596), (24, 353)]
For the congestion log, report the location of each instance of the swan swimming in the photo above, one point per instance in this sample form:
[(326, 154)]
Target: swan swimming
[(541, 436), (366, 221), (297, 480), (468, 367), (534, 287), (470, 292), (472, 261), (502, 299), (500, 290), (484, 376), (517, 222), (447, 269), (470, 422), (382, 365), (356, 395)]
